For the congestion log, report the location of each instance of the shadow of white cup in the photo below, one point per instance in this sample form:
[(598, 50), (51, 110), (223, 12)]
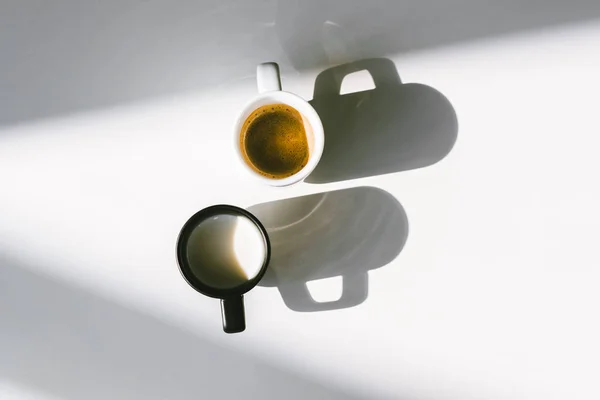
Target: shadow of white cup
[(269, 92)]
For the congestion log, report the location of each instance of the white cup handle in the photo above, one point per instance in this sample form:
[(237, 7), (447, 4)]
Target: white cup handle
[(267, 77)]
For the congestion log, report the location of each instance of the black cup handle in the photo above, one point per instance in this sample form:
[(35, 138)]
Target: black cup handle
[(233, 315)]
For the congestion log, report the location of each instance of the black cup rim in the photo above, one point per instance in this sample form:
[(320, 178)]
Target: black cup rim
[(185, 269)]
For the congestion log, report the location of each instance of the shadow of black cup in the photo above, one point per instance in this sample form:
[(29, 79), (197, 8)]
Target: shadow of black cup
[(344, 233), (394, 127), (223, 251)]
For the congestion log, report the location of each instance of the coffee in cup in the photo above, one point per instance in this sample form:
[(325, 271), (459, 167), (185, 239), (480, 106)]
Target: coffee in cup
[(275, 141), (279, 136)]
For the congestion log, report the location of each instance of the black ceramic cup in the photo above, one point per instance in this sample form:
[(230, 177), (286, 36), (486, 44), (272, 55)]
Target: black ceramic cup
[(223, 251)]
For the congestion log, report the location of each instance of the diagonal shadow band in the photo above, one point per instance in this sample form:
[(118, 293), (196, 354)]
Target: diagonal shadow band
[(67, 343), (74, 56), (344, 233), (394, 127)]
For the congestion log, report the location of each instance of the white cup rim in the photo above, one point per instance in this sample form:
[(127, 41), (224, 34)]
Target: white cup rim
[(304, 107)]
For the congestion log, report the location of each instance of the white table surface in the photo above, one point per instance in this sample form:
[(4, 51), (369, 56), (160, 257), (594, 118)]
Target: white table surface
[(493, 296)]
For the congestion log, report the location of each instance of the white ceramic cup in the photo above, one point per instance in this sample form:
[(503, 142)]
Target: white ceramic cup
[(269, 92)]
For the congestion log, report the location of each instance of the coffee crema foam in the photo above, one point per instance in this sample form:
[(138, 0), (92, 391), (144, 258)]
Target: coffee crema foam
[(276, 140)]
